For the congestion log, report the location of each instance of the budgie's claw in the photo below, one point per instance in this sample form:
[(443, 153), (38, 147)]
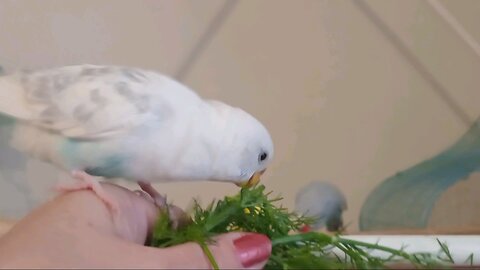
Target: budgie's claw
[(177, 216), (87, 181), (159, 199)]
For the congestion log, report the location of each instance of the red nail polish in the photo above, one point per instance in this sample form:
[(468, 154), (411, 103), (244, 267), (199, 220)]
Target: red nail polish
[(305, 229), (253, 248)]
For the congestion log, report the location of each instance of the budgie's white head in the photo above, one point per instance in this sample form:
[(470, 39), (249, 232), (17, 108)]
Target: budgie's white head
[(244, 149)]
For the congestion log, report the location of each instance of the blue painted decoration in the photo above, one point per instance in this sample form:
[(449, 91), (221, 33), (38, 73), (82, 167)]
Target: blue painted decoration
[(406, 200)]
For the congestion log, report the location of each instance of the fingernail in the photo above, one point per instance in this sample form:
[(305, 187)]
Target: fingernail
[(253, 248), (305, 228)]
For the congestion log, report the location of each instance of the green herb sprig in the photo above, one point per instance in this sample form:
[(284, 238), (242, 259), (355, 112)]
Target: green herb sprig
[(252, 210)]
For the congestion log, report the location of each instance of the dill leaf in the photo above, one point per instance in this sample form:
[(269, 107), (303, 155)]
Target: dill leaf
[(254, 210)]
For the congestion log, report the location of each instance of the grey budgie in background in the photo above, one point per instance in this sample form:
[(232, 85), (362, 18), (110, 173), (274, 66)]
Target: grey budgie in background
[(139, 125), (324, 202)]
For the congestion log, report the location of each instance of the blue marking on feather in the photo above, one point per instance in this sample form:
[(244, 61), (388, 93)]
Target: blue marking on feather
[(78, 155), (69, 149), (113, 166)]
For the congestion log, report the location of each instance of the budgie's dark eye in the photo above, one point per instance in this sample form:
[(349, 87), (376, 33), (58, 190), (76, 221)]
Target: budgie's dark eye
[(262, 156)]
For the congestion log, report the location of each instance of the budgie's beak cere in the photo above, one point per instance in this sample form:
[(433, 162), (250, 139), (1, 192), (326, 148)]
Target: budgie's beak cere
[(255, 179)]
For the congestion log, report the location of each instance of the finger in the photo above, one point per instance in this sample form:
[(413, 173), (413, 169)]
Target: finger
[(137, 209), (136, 216), (231, 251)]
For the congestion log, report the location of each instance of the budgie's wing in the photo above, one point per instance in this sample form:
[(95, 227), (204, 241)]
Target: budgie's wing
[(85, 101)]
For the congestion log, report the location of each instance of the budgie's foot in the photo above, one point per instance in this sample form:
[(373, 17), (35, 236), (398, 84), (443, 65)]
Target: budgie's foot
[(159, 199), (87, 181), (177, 216)]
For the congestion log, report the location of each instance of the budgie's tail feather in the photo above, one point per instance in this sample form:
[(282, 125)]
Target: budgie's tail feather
[(12, 101)]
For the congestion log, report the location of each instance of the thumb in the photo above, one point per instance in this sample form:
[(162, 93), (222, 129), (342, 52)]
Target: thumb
[(230, 251)]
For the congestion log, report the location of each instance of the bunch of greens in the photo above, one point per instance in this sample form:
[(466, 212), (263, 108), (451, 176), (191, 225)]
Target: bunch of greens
[(252, 210)]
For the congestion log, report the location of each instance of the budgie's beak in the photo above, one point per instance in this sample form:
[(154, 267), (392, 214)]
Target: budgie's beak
[(254, 180)]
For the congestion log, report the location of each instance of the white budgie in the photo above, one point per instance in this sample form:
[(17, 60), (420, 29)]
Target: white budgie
[(139, 125)]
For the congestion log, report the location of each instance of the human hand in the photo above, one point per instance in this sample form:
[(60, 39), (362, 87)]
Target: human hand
[(76, 230)]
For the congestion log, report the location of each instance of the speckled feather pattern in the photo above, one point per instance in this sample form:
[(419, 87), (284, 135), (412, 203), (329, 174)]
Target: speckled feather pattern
[(79, 101)]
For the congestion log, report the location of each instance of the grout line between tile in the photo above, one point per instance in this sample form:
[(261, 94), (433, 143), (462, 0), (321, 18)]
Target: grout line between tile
[(438, 88), (212, 29), (456, 26)]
